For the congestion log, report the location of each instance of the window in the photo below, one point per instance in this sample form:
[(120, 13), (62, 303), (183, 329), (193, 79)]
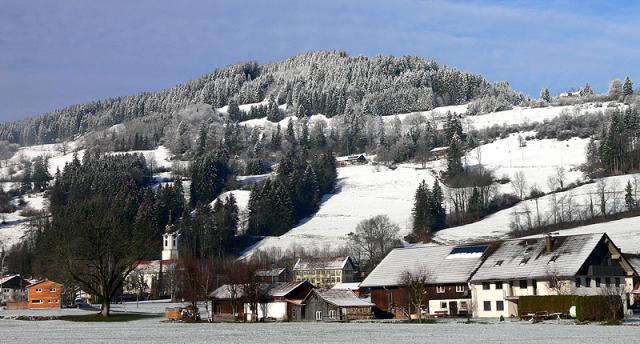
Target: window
[(607, 282), (463, 304), (523, 284), (52, 290), (578, 280), (443, 305), (293, 313), (440, 289), (499, 305), (587, 282), (498, 263), (487, 305), (499, 285), (38, 290), (617, 282), (486, 285), (318, 315), (332, 314), (36, 301), (597, 282), (460, 288)]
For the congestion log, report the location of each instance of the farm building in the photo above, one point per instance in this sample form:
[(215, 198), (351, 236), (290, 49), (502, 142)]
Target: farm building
[(13, 288), (325, 272), (276, 301), (45, 294), (274, 275), (358, 159), (588, 264), (336, 305), (447, 270), (439, 152)]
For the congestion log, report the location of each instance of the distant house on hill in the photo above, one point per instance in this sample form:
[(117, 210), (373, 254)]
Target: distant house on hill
[(336, 305), (45, 294), (439, 152), (325, 272), (357, 159)]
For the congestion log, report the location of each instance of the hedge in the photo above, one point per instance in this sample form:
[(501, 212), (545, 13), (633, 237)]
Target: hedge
[(588, 308)]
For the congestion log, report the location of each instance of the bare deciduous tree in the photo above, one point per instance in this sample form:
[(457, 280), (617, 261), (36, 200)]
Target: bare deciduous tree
[(416, 283), (373, 239), (519, 184)]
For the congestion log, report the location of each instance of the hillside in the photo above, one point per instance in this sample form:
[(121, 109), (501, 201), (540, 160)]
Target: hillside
[(232, 131)]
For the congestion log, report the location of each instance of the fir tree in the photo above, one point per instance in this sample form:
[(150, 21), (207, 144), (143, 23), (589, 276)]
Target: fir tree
[(544, 95), (629, 200), (627, 87), (454, 158), (438, 213), (422, 214)]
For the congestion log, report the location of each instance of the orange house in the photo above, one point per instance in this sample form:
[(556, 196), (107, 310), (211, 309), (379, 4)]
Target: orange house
[(45, 294)]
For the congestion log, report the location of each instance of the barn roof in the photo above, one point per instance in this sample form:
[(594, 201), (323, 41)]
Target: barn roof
[(321, 263), (443, 264), (270, 273), (342, 298), (528, 257), (278, 289), (347, 286)]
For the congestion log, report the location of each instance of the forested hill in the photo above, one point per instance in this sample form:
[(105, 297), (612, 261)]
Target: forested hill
[(327, 82)]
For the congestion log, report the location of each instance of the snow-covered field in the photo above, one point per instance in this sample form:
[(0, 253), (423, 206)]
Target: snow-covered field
[(362, 193), (154, 331), (15, 225)]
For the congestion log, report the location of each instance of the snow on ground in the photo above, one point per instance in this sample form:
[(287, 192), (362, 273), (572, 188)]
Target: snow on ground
[(252, 179), (15, 225), (55, 153), (538, 160), (156, 158), (521, 115), (437, 113), (242, 198), (362, 193), (498, 225), (152, 330)]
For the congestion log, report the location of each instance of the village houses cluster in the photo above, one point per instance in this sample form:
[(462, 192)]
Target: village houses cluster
[(483, 280)]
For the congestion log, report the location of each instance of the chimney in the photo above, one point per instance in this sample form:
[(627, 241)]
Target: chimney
[(548, 242)]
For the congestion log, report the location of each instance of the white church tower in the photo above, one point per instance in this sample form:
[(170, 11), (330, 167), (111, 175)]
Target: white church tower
[(170, 243)]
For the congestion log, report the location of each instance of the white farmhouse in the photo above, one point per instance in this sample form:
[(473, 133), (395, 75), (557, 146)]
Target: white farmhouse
[(551, 265)]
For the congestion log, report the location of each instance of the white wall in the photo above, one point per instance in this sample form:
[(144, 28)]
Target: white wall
[(436, 305), (276, 310)]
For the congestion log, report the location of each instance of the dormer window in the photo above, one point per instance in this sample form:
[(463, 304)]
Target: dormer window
[(553, 258), (524, 261), (499, 263)]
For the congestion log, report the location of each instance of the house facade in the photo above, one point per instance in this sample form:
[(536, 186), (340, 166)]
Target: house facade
[(13, 288), (562, 265), (446, 269), (45, 294), (325, 272), (280, 301), (274, 275), (336, 305)]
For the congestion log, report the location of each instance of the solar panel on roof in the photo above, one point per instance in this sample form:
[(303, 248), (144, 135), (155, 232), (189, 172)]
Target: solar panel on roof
[(469, 249)]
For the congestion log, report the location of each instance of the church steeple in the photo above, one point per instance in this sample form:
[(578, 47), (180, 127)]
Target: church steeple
[(170, 241)]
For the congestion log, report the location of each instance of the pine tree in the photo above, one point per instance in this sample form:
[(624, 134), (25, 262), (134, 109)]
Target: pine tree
[(26, 182), (276, 139), (438, 213), (202, 140), (627, 87), (422, 214), (454, 158), (40, 175), (235, 114), (545, 95), (629, 201)]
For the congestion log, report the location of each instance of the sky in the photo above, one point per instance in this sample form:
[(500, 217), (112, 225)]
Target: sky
[(58, 53)]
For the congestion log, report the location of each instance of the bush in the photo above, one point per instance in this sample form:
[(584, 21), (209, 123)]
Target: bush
[(588, 308)]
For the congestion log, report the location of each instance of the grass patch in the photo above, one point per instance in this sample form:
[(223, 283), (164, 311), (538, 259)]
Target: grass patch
[(111, 318), (613, 322), (416, 321)]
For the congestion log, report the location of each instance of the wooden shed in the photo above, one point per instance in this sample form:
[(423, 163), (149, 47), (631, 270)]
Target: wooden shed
[(336, 305)]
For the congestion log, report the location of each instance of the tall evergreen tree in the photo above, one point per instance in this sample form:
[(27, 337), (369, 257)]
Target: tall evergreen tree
[(454, 158), (438, 213), (545, 95), (629, 200), (627, 87)]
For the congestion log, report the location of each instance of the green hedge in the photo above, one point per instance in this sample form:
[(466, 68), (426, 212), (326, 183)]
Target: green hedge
[(588, 308)]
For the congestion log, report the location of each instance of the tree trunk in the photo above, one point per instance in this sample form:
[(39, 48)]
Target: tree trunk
[(106, 307)]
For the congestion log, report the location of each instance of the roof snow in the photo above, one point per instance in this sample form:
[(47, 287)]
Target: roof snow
[(435, 261), (342, 298), (321, 263)]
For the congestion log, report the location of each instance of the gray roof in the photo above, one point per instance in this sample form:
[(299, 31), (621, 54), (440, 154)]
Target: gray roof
[(444, 264), (528, 258), (321, 263), (270, 273), (278, 289), (342, 298)]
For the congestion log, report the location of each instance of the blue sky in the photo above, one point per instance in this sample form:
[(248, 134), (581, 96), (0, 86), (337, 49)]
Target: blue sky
[(57, 53)]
